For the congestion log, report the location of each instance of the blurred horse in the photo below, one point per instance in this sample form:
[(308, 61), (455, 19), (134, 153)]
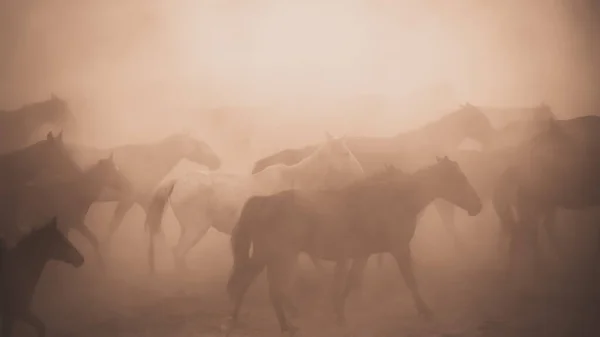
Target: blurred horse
[(19, 127), (408, 150), (22, 267), (562, 170), (71, 200), (42, 160), (145, 166), (204, 200), (374, 215)]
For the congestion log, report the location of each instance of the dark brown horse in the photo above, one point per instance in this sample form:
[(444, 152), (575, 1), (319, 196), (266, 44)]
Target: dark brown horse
[(561, 169), (22, 267), (372, 216), (18, 127), (46, 158), (71, 200), (145, 166)]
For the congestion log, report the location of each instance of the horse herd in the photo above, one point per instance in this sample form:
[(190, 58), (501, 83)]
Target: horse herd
[(342, 200)]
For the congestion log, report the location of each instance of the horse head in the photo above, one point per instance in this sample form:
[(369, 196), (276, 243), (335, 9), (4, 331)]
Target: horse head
[(452, 184)]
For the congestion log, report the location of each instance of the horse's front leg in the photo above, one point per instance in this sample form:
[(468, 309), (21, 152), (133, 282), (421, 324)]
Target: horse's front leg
[(122, 208), (403, 259), (91, 237), (339, 280), (447, 212), (35, 322)]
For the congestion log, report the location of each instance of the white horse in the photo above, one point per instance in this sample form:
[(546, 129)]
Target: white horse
[(201, 200)]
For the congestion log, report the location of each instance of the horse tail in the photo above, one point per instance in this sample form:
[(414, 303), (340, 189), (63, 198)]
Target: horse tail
[(156, 209), (241, 241)]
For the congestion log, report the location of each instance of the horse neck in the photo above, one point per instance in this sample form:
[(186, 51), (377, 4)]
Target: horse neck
[(28, 261), (23, 163), (425, 189), (306, 173), (90, 184), (167, 155)]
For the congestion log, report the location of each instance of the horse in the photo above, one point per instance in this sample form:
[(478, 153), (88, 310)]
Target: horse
[(408, 150), (204, 200), (145, 166), (71, 200), (560, 171), (374, 215), (22, 267), (46, 158), (18, 127)]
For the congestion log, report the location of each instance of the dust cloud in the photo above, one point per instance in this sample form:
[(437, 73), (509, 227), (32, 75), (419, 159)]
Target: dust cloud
[(254, 77)]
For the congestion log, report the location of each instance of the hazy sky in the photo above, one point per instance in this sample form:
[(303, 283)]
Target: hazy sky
[(132, 69)]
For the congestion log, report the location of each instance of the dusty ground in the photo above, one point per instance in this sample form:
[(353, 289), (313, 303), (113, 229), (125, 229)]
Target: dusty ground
[(468, 295)]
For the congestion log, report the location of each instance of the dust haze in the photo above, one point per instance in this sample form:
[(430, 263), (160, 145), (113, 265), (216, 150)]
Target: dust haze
[(255, 77)]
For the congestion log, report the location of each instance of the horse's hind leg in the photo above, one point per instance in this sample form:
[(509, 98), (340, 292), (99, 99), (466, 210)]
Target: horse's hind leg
[(36, 323), (240, 281), (280, 274), (403, 259), (340, 277), (188, 238), (352, 280)]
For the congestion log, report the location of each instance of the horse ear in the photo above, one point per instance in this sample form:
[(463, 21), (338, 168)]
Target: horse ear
[(438, 159), (328, 136), (60, 136), (50, 136), (53, 223)]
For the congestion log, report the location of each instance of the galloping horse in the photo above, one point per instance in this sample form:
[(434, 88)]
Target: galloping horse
[(71, 200), (204, 200), (18, 127), (48, 157), (375, 215), (561, 170), (144, 166), (22, 267), (408, 150)]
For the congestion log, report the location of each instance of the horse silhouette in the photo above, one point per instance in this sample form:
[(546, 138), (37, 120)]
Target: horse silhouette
[(204, 200), (374, 215), (22, 267)]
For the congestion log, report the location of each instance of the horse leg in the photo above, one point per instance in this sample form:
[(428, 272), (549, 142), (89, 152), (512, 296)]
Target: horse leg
[(339, 280), (240, 281), (549, 224), (352, 280), (122, 208), (35, 322), (91, 237), (279, 274), (189, 237), (446, 212), (403, 259)]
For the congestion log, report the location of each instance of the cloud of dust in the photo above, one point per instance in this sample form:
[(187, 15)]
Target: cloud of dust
[(255, 77)]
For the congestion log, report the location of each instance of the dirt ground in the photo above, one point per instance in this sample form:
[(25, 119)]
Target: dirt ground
[(467, 291)]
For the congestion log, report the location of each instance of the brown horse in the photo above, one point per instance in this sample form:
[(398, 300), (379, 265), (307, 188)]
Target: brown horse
[(46, 158), (376, 215), (561, 170), (22, 267), (71, 200)]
